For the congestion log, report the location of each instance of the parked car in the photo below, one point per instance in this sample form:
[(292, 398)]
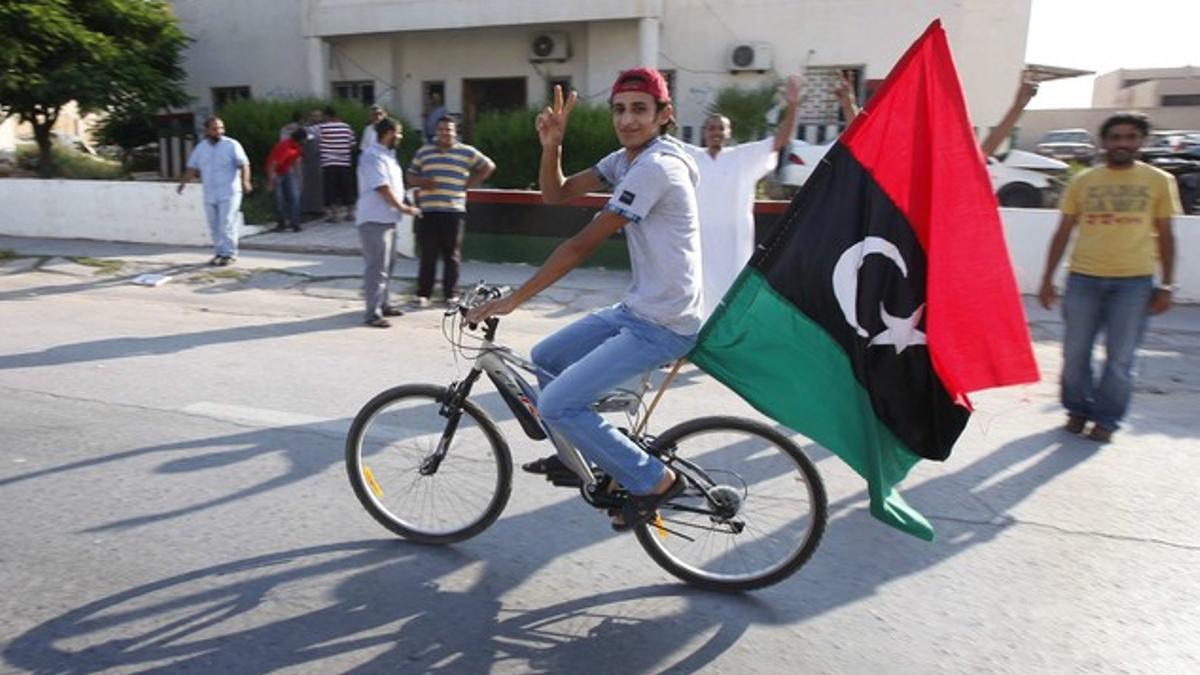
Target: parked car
[(1068, 145), (1163, 143), (1021, 179)]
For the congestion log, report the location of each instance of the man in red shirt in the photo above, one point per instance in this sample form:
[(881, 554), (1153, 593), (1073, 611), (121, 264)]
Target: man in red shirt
[(284, 178)]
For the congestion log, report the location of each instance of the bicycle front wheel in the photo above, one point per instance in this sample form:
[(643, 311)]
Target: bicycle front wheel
[(754, 510), (391, 461)]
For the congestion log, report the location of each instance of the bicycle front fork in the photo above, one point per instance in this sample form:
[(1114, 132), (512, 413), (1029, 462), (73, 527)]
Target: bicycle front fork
[(451, 409)]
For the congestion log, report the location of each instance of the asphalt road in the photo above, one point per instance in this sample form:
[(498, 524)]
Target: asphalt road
[(174, 500)]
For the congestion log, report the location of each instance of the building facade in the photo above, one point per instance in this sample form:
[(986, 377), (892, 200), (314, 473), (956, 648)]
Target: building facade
[(1148, 88), (482, 53)]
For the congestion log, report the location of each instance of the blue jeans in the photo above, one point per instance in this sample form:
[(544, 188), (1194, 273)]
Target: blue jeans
[(287, 200), (590, 357), (1118, 306), (222, 224)]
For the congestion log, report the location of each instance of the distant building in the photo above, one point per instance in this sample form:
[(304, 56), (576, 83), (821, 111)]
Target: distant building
[(1148, 88), (487, 54), (1168, 97)]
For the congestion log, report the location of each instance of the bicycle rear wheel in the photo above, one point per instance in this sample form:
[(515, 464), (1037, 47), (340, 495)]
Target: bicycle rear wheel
[(388, 451), (754, 510)]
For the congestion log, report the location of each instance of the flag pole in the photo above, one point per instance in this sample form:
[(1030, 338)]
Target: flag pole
[(658, 397)]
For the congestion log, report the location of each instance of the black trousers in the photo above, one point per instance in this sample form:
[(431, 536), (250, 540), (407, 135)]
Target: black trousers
[(339, 185), (439, 235)]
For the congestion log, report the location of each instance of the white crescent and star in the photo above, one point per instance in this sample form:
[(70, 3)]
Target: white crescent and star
[(900, 332)]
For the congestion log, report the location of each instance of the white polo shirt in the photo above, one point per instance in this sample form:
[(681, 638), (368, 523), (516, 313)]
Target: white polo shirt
[(377, 166), (726, 198), (657, 194), (220, 165)]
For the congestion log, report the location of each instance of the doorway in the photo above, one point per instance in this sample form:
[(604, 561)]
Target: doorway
[(483, 94)]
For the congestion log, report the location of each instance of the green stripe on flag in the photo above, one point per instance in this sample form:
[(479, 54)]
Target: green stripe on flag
[(785, 365)]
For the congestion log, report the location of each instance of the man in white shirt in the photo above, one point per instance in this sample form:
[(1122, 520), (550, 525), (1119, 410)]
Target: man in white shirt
[(379, 207), (224, 171), (729, 176)]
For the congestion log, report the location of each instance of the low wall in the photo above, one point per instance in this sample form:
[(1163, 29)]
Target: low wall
[(503, 225), (514, 225), (142, 212), (1028, 232)]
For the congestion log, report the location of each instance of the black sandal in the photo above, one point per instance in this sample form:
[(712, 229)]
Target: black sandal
[(641, 509), (546, 466)]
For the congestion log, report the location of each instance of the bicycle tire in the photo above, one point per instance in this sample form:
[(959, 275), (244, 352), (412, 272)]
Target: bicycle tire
[(653, 540), (367, 488)]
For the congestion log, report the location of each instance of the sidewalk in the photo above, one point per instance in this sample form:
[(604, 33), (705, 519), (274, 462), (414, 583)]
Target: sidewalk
[(308, 264), (329, 251), (317, 236)]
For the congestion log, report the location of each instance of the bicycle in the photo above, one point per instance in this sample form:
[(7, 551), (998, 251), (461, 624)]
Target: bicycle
[(411, 440)]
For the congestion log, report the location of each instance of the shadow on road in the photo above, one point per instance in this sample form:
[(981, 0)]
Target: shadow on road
[(126, 347), (391, 606)]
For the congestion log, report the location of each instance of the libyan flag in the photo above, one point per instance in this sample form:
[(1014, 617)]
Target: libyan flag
[(885, 294)]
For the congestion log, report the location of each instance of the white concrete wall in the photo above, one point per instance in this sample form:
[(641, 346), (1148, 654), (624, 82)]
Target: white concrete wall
[(367, 57), (262, 44), (131, 211), (346, 17), (259, 44), (1028, 232), (8, 134), (451, 56), (986, 36)]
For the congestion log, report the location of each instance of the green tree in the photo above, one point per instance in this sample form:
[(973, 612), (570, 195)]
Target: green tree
[(746, 109), (106, 55)]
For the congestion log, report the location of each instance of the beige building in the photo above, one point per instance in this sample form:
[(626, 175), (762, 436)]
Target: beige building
[(1148, 88), (485, 53)]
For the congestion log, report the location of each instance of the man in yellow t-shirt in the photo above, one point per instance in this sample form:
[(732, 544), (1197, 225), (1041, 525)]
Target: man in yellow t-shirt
[(1123, 210)]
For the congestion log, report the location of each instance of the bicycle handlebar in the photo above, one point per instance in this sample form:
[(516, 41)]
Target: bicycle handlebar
[(478, 295)]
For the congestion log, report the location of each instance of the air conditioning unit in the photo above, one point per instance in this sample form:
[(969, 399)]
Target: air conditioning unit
[(750, 57), (549, 47)]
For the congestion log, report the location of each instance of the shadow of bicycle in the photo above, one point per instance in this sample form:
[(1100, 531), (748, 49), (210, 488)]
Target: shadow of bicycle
[(388, 613)]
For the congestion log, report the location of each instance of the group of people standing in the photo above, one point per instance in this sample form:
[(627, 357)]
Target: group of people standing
[(688, 219), (442, 170)]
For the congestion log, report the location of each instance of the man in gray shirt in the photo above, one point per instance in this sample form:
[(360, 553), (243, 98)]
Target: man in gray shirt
[(654, 201)]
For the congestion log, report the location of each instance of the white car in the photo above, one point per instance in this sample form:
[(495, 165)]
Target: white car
[(1022, 179)]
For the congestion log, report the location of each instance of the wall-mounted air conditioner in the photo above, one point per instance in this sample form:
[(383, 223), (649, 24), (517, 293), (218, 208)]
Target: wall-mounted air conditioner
[(750, 57), (549, 47)]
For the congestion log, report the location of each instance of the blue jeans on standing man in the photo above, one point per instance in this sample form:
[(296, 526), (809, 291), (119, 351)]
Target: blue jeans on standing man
[(287, 200), (223, 224), (1118, 306), (591, 357)]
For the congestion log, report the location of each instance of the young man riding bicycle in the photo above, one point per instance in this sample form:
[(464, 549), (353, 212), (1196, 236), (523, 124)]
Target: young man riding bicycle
[(653, 184)]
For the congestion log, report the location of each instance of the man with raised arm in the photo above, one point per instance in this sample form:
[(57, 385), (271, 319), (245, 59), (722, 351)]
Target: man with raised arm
[(653, 200), (729, 176)]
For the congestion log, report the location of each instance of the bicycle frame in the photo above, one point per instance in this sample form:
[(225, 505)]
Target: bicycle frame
[(522, 398)]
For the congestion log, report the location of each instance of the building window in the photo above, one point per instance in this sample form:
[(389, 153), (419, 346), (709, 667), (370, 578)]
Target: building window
[(224, 95), (1172, 100), (1125, 84), (362, 91)]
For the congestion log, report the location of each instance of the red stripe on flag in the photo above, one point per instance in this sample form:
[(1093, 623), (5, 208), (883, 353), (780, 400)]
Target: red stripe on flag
[(916, 141)]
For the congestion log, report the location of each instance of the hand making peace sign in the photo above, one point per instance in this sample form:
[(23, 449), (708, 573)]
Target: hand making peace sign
[(552, 122)]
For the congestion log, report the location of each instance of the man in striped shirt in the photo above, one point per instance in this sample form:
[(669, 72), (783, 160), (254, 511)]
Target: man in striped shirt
[(335, 139), (444, 170)]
